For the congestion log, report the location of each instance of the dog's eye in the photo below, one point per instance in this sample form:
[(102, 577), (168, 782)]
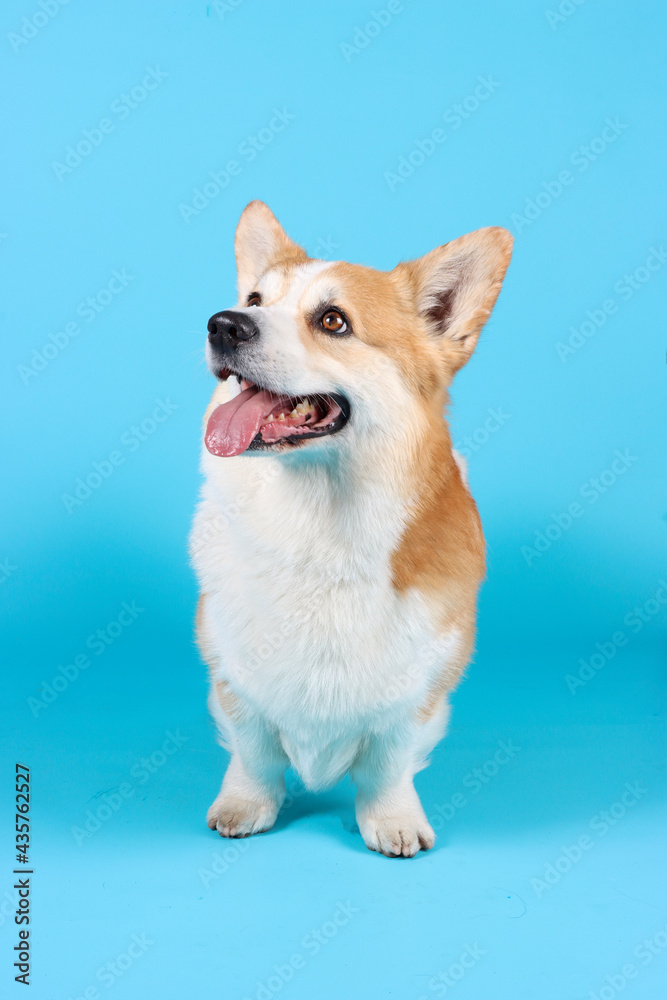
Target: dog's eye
[(333, 322), (254, 299)]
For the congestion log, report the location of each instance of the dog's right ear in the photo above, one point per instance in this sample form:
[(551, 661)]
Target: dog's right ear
[(260, 243)]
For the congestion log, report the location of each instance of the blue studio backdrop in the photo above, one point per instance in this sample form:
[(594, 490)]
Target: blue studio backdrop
[(134, 134)]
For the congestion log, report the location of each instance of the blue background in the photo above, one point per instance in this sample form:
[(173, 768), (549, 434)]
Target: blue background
[(67, 574)]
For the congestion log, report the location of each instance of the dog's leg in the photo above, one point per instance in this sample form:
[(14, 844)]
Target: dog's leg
[(390, 816), (253, 787)]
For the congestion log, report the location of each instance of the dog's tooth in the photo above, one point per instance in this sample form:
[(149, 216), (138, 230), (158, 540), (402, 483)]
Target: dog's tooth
[(281, 416), (294, 413)]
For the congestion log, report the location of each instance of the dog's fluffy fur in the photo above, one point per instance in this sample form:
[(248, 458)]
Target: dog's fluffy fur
[(339, 576)]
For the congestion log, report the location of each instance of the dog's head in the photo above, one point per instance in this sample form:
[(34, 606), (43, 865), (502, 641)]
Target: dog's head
[(325, 352)]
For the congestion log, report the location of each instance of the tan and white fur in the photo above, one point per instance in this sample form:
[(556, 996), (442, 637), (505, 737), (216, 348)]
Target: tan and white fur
[(339, 577)]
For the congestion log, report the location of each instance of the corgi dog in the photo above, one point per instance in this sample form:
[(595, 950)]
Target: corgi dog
[(337, 547)]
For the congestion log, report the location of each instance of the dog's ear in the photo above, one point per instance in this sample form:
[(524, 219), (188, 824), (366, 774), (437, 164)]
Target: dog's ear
[(260, 243), (456, 286)]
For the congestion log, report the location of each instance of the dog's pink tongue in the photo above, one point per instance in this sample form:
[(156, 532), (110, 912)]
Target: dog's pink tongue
[(232, 426)]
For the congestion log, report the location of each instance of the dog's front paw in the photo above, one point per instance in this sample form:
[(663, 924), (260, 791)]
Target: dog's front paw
[(397, 836), (233, 816)]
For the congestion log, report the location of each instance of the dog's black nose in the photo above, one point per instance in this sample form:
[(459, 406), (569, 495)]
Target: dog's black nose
[(228, 329)]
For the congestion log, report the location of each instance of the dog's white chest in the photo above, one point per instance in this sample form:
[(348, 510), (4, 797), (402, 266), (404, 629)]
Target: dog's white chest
[(308, 623)]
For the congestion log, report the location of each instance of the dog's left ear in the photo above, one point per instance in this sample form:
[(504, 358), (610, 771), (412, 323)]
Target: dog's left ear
[(260, 243), (456, 286)]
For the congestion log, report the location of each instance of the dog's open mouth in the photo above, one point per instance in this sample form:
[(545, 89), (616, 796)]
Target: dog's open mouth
[(259, 419)]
